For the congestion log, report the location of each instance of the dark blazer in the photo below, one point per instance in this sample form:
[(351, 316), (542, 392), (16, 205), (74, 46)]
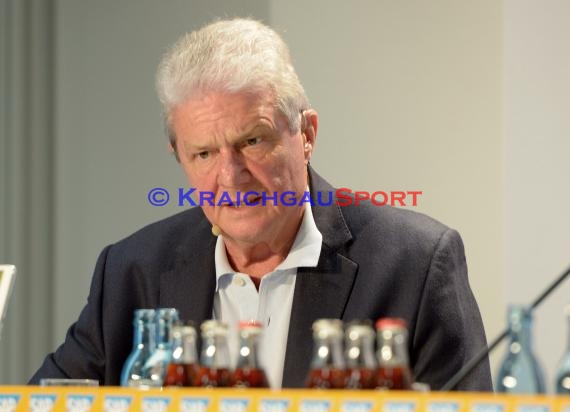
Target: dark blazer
[(375, 262)]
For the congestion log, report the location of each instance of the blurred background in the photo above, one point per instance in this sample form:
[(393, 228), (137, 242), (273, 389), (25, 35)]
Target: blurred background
[(467, 101)]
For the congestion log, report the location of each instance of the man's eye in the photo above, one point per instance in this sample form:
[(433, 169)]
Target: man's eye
[(204, 155), (253, 141)]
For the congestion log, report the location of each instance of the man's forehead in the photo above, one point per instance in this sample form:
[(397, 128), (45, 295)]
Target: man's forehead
[(234, 113), (212, 104)]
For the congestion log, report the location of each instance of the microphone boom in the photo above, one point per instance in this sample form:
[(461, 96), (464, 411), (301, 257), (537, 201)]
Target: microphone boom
[(469, 366)]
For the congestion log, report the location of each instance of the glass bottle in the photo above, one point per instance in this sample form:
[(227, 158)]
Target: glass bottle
[(156, 365), (520, 371), (327, 366), (359, 356), (248, 372), (143, 345), (563, 373), (183, 367), (214, 358), (393, 364)]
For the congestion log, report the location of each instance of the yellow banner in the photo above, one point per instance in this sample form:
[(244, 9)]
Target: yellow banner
[(114, 399)]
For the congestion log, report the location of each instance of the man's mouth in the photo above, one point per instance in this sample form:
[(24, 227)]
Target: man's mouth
[(242, 202), (250, 202)]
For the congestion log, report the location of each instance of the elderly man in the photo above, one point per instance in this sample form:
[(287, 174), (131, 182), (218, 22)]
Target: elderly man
[(239, 121)]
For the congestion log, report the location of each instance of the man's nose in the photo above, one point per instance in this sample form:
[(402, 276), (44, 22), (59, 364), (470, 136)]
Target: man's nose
[(233, 170)]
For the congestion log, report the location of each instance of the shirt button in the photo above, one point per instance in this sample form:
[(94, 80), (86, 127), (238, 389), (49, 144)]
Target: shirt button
[(239, 281)]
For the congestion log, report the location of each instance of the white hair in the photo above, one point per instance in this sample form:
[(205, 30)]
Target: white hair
[(238, 55)]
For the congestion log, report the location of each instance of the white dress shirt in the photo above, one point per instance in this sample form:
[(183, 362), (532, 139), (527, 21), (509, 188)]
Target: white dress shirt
[(237, 298)]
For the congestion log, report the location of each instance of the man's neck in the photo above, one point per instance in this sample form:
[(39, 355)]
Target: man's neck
[(256, 261)]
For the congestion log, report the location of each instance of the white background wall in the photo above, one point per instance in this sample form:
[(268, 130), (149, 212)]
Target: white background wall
[(537, 163), (463, 100)]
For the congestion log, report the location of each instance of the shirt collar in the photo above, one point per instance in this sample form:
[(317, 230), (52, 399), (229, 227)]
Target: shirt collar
[(305, 251)]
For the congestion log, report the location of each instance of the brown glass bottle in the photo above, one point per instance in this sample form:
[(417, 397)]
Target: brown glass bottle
[(394, 377), (327, 366), (213, 377), (214, 358), (393, 365), (359, 355), (248, 372), (183, 368), (326, 378)]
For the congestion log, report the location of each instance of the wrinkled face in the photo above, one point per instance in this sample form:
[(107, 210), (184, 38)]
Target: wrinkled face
[(230, 143)]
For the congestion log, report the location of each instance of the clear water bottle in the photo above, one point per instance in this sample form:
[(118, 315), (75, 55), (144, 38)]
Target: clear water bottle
[(520, 371), (156, 366), (143, 345), (563, 374)]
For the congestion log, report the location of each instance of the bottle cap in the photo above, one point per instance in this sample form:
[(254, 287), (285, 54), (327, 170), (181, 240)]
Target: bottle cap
[(356, 330), (214, 327), (325, 328), (167, 313), (391, 323), (250, 324), (144, 314)]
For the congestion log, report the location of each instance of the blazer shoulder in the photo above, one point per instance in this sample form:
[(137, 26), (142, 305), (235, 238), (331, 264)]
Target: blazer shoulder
[(393, 225), (159, 240), (367, 224)]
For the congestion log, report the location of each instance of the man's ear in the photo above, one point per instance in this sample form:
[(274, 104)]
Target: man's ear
[(309, 125)]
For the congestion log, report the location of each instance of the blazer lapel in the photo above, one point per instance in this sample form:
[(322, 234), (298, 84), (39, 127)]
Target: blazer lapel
[(320, 292), (191, 285)]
